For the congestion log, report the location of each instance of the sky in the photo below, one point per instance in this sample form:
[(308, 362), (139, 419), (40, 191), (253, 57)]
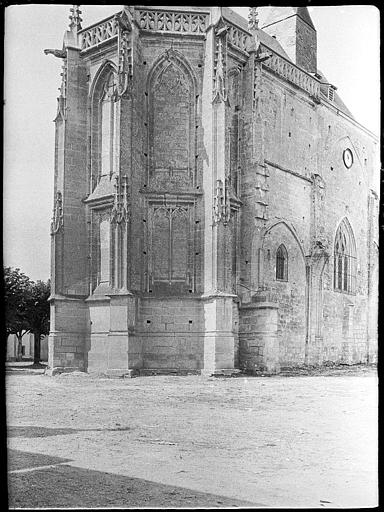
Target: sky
[(348, 44)]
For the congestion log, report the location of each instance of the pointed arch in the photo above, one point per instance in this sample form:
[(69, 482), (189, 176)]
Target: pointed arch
[(166, 58), (282, 263), (103, 120), (344, 258), (100, 76), (171, 114), (234, 75), (234, 103), (348, 142), (289, 227)]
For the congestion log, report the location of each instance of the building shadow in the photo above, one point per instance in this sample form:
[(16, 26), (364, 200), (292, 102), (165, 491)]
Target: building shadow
[(33, 485), (33, 431)]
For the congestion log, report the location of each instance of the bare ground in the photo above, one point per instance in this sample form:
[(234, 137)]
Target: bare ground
[(304, 439)]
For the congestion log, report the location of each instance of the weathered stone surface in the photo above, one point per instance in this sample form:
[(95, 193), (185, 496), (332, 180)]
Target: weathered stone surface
[(178, 184)]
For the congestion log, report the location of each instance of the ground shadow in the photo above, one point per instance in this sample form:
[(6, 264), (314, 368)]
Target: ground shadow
[(33, 431), (68, 486), (18, 459)]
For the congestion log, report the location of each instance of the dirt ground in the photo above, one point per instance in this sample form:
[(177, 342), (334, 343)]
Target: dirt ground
[(304, 439)]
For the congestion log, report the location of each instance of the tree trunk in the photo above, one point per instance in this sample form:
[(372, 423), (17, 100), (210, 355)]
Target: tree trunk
[(19, 354), (36, 351)]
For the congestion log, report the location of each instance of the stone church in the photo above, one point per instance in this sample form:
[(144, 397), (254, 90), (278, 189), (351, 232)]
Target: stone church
[(215, 203)]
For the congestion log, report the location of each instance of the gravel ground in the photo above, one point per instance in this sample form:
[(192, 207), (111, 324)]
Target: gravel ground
[(305, 439)]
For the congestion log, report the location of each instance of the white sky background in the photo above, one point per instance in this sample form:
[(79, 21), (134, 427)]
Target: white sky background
[(348, 48)]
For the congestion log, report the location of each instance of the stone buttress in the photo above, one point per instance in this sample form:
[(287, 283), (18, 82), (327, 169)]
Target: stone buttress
[(214, 201)]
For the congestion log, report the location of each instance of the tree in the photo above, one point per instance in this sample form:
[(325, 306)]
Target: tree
[(26, 308), (38, 313), (17, 295)]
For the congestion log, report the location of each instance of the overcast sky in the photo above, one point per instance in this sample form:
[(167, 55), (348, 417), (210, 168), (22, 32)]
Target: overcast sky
[(348, 54)]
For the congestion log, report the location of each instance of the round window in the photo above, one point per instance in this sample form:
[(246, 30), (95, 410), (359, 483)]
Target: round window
[(348, 158)]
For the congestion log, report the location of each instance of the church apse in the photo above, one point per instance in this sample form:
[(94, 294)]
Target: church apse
[(188, 145)]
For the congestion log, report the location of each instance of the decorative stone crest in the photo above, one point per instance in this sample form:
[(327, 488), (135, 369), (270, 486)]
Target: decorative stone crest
[(57, 222), (220, 63), (221, 202), (120, 209)]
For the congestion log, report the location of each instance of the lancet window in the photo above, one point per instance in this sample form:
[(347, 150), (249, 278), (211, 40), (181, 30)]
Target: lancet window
[(172, 127), (107, 125), (344, 259), (234, 129), (282, 263)]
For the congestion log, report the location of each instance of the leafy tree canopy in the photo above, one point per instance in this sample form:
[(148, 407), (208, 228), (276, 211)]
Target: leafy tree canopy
[(26, 307), (39, 307), (17, 295)]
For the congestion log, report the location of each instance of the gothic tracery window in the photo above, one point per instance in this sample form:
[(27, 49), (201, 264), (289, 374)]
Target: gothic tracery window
[(170, 241), (170, 121), (344, 259), (282, 263), (107, 125), (234, 129)]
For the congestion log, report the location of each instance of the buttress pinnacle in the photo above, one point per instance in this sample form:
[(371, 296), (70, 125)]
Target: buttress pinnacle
[(75, 18)]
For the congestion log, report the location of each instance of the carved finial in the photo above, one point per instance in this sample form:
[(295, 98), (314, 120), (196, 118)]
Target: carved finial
[(75, 18), (253, 22)]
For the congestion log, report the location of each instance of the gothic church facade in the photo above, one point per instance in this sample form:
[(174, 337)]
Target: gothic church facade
[(216, 204)]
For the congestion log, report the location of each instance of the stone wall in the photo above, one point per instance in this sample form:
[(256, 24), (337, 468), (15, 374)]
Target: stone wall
[(218, 160), (171, 332)]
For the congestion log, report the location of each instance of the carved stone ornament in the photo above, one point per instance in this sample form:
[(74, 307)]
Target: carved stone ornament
[(220, 64), (177, 22), (221, 203), (57, 222), (124, 52), (75, 18), (253, 22), (60, 54), (120, 209)]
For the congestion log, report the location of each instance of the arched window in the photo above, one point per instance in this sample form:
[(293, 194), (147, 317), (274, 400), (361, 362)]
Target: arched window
[(282, 263), (107, 125), (234, 128), (172, 128), (344, 258)]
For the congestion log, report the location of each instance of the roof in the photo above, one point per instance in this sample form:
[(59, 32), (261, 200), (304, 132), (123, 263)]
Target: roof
[(303, 13), (337, 100), (272, 43), (265, 38), (234, 17), (276, 14)]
